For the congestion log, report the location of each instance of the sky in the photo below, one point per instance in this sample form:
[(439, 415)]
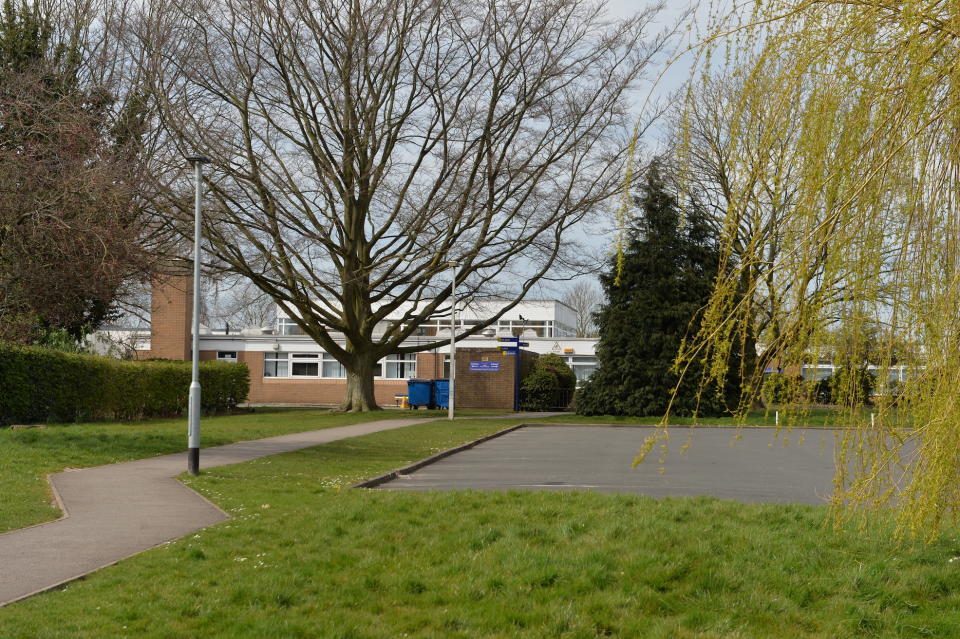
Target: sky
[(597, 235), (672, 76)]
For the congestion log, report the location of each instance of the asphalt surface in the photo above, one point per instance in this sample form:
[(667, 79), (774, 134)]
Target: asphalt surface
[(751, 465), (113, 512)]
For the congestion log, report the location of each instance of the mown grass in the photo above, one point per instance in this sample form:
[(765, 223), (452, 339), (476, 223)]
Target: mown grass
[(27, 455), (304, 557)]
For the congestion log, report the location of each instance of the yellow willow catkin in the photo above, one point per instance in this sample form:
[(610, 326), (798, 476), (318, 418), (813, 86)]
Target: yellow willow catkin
[(626, 201), (841, 235)]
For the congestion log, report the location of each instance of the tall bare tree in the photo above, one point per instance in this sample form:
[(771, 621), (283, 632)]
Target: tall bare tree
[(736, 149), (584, 298), (360, 147), (234, 304)]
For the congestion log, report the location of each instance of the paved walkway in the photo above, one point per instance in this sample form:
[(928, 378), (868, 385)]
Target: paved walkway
[(113, 512)]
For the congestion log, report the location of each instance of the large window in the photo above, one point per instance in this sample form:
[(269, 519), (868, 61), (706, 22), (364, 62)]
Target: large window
[(332, 368), (287, 326), (315, 365), (525, 329), (400, 366), (305, 364)]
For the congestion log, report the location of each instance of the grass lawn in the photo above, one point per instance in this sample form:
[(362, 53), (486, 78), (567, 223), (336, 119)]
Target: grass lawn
[(27, 455), (303, 557)]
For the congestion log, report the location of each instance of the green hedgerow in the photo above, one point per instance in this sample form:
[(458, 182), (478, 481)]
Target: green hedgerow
[(44, 385)]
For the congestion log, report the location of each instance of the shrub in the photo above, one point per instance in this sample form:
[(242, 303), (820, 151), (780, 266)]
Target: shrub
[(557, 366), (785, 389), (224, 385), (41, 385), (540, 390), (549, 384), (851, 386), (779, 389)]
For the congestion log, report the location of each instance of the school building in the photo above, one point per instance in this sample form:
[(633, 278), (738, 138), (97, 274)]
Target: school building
[(288, 367)]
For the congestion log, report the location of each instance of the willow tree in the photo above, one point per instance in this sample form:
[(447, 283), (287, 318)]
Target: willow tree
[(360, 146), (871, 236)]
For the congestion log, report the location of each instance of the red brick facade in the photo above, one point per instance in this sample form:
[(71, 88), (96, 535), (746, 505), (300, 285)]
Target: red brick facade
[(171, 309), (485, 388), (170, 333)]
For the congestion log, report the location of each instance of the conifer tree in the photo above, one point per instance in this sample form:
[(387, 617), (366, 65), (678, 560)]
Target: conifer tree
[(666, 276)]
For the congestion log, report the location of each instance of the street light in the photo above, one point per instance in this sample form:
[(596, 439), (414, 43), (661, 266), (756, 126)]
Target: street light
[(453, 336), (193, 410)]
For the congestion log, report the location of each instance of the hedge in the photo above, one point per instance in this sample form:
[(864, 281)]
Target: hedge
[(43, 385)]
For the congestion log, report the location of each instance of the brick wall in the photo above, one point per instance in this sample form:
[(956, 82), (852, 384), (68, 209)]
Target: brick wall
[(485, 389), (171, 307), (327, 392), (430, 365)]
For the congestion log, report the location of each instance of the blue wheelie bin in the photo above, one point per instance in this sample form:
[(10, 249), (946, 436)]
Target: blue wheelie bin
[(419, 393), (441, 393)]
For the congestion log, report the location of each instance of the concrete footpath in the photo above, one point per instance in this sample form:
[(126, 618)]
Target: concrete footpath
[(112, 512)]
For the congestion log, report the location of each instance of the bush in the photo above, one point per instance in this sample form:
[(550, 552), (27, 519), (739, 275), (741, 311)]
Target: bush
[(549, 385), (823, 391), (43, 385), (557, 366), (784, 389), (779, 389), (851, 386), (540, 390)]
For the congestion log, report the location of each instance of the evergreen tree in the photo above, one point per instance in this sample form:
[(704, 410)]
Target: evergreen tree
[(668, 271)]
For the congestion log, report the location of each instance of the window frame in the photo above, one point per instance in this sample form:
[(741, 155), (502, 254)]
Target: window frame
[(402, 362), (288, 359)]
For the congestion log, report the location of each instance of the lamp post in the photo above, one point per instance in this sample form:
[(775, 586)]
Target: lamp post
[(453, 337), (193, 410)]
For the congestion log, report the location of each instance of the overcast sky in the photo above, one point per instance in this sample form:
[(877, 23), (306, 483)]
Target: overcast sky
[(597, 234), (675, 10)]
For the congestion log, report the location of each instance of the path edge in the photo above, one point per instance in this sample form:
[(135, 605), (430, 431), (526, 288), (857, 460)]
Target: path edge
[(373, 482), (58, 503)]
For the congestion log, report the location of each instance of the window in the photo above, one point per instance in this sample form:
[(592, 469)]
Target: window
[(305, 365), (525, 329), (559, 329), (400, 366), (315, 365), (583, 366), (227, 356), (275, 364), (287, 326), (332, 368)]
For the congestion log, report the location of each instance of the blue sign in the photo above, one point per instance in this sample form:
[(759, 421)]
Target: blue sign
[(509, 350), (484, 366), (508, 339)]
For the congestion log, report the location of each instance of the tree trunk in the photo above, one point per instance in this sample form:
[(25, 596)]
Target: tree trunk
[(359, 397)]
